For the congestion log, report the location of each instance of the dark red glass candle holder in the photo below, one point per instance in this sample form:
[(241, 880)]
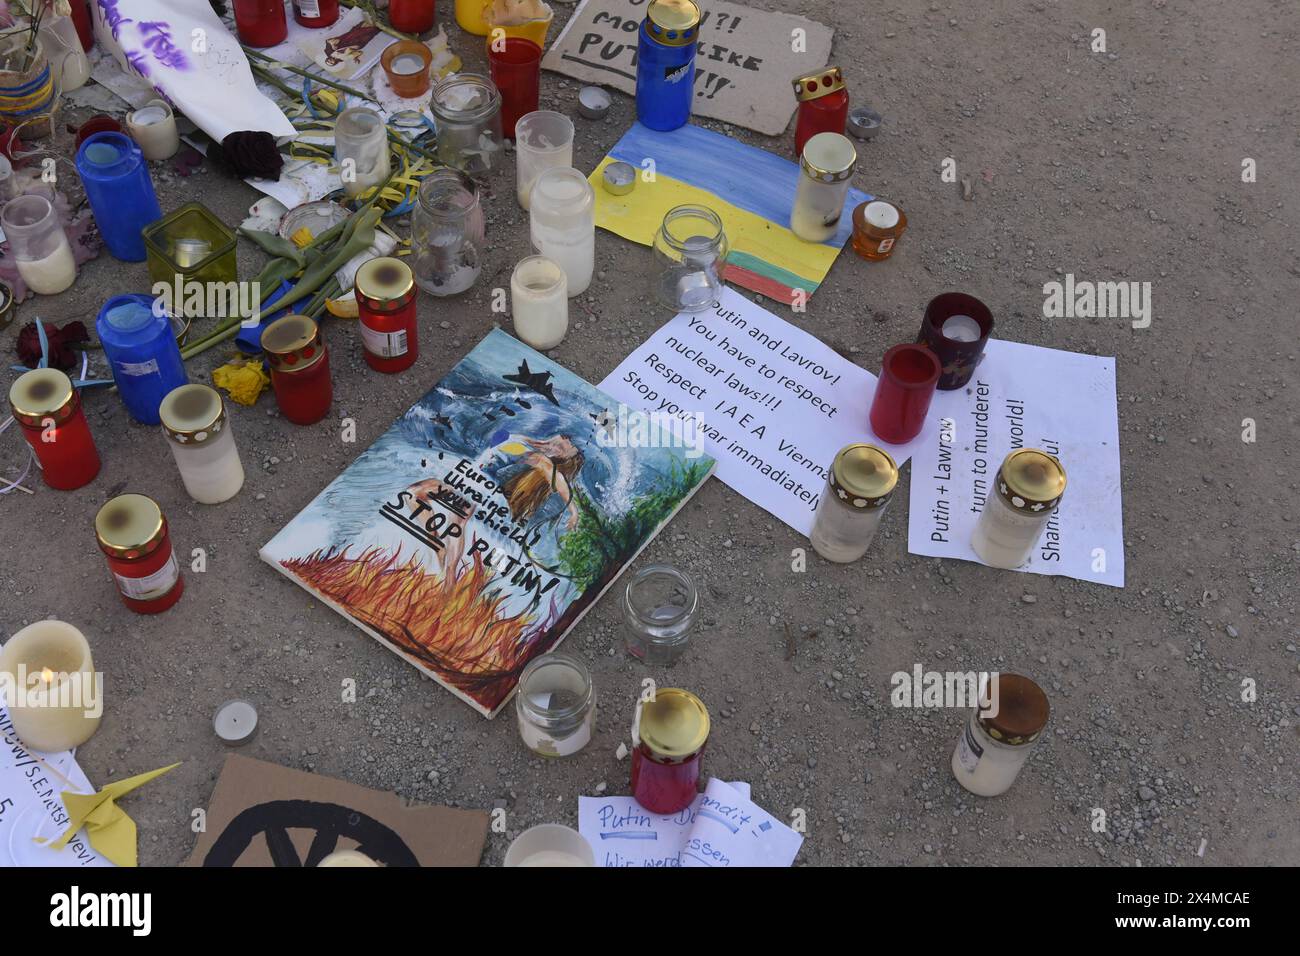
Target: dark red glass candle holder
[(516, 67), (260, 23), (908, 375), (412, 16), (957, 357)]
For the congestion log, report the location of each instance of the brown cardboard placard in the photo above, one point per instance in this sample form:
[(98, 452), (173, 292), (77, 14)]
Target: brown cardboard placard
[(262, 814), (744, 63)]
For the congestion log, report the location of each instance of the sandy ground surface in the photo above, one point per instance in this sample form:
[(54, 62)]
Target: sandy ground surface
[(1117, 166)]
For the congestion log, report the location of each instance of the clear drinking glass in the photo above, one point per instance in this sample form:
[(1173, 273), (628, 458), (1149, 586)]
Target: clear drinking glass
[(543, 139), (690, 250), (660, 605), (467, 112), (447, 233)]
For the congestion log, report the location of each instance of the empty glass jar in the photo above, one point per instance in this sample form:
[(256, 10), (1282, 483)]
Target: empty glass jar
[(660, 605), (562, 220), (543, 138), (447, 233), (467, 111), (361, 148), (690, 251), (556, 705)]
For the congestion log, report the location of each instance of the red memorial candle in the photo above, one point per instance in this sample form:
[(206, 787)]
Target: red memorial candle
[(516, 67), (411, 16), (908, 375), (261, 22), (315, 13), (132, 532), (823, 105), (300, 368), (673, 729), (48, 409), (386, 307)]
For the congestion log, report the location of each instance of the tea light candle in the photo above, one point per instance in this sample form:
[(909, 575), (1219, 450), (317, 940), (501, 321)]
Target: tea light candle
[(593, 102), (619, 178), (56, 703), (235, 722), (961, 328), (153, 127)]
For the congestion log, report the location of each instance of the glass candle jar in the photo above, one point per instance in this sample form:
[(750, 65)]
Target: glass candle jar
[(562, 218), (260, 22), (543, 139), (660, 604), (826, 165), (153, 127), (38, 244), (539, 302), (467, 112), (300, 368), (447, 232), (858, 491), (122, 198), (823, 105), (411, 16), (956, 327), (361, 148), (908, 374), (132, 533), (385, 289), (48, 409), (198, 432), (877, 226), (668, 747), (140, 346), (406, 65), (689, 253), (556, 706), (665, 63), (516, 67), (992, 749), (319, 13), (1027, 491)]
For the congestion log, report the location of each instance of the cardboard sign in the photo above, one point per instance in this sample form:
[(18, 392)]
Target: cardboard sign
[(744, 62), (262, 814)]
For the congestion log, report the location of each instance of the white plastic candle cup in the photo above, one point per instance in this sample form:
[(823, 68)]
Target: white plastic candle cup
[(153, 127), (38, 245), (58, 699), (543, 139), (562, 221), (539, 302), (550, 844)]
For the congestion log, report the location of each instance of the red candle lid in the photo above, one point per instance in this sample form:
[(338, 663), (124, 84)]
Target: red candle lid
[(42, 393), (292, 343), (130, 526), (816, 85), (385, 284)]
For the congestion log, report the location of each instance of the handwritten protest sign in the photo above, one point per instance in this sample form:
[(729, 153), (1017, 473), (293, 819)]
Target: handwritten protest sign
[(771, 403), (744, 63), (1024, 396)]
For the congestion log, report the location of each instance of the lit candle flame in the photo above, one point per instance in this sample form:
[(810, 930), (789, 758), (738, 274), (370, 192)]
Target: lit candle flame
[(47, 675)]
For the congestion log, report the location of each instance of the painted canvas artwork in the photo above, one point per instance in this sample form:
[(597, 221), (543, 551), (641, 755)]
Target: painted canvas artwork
[(475, 532)]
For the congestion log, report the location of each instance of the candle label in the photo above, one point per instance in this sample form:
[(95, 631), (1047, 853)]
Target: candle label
[(885, 245), (150, 586), (308, 8), (968, 750), (139, 368), (384, 344)]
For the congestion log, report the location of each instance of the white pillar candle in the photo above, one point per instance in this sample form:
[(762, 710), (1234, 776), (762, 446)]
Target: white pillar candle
[(539, 302), (198, 431), (562, 219), (961, 328), (153, 127), (50, 686)]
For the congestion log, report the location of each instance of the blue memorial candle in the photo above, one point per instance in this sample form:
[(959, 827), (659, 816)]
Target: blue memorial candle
[(141, 349)]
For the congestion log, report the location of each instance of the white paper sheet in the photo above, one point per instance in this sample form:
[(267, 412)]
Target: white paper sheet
[(1024, 396), (31, 806), (731, 830), (774, 402)]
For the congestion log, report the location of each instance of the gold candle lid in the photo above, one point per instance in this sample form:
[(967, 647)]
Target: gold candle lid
[(40, 394), (673, 22), (674, 725), (1031, 480), (130, 526), (1022, 711), (863, 476), (385, 283), (292, 343), (816, 85), (829, 157), (192, 414)]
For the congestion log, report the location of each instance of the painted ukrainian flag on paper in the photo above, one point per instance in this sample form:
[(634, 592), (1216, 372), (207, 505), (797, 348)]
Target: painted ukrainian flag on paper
[(750, 188)]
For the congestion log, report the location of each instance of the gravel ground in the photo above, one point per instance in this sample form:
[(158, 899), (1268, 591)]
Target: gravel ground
[(1117, 166)]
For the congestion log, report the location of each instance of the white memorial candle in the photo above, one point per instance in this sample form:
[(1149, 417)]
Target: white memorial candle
[(153, 127), (48, 670), (539, 302)]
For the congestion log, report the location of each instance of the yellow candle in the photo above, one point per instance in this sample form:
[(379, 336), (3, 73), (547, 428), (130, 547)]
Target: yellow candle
[(50, 686), (347, 858)]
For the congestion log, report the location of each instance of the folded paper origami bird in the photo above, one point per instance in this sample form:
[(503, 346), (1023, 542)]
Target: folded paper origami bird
[(111, 831)]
